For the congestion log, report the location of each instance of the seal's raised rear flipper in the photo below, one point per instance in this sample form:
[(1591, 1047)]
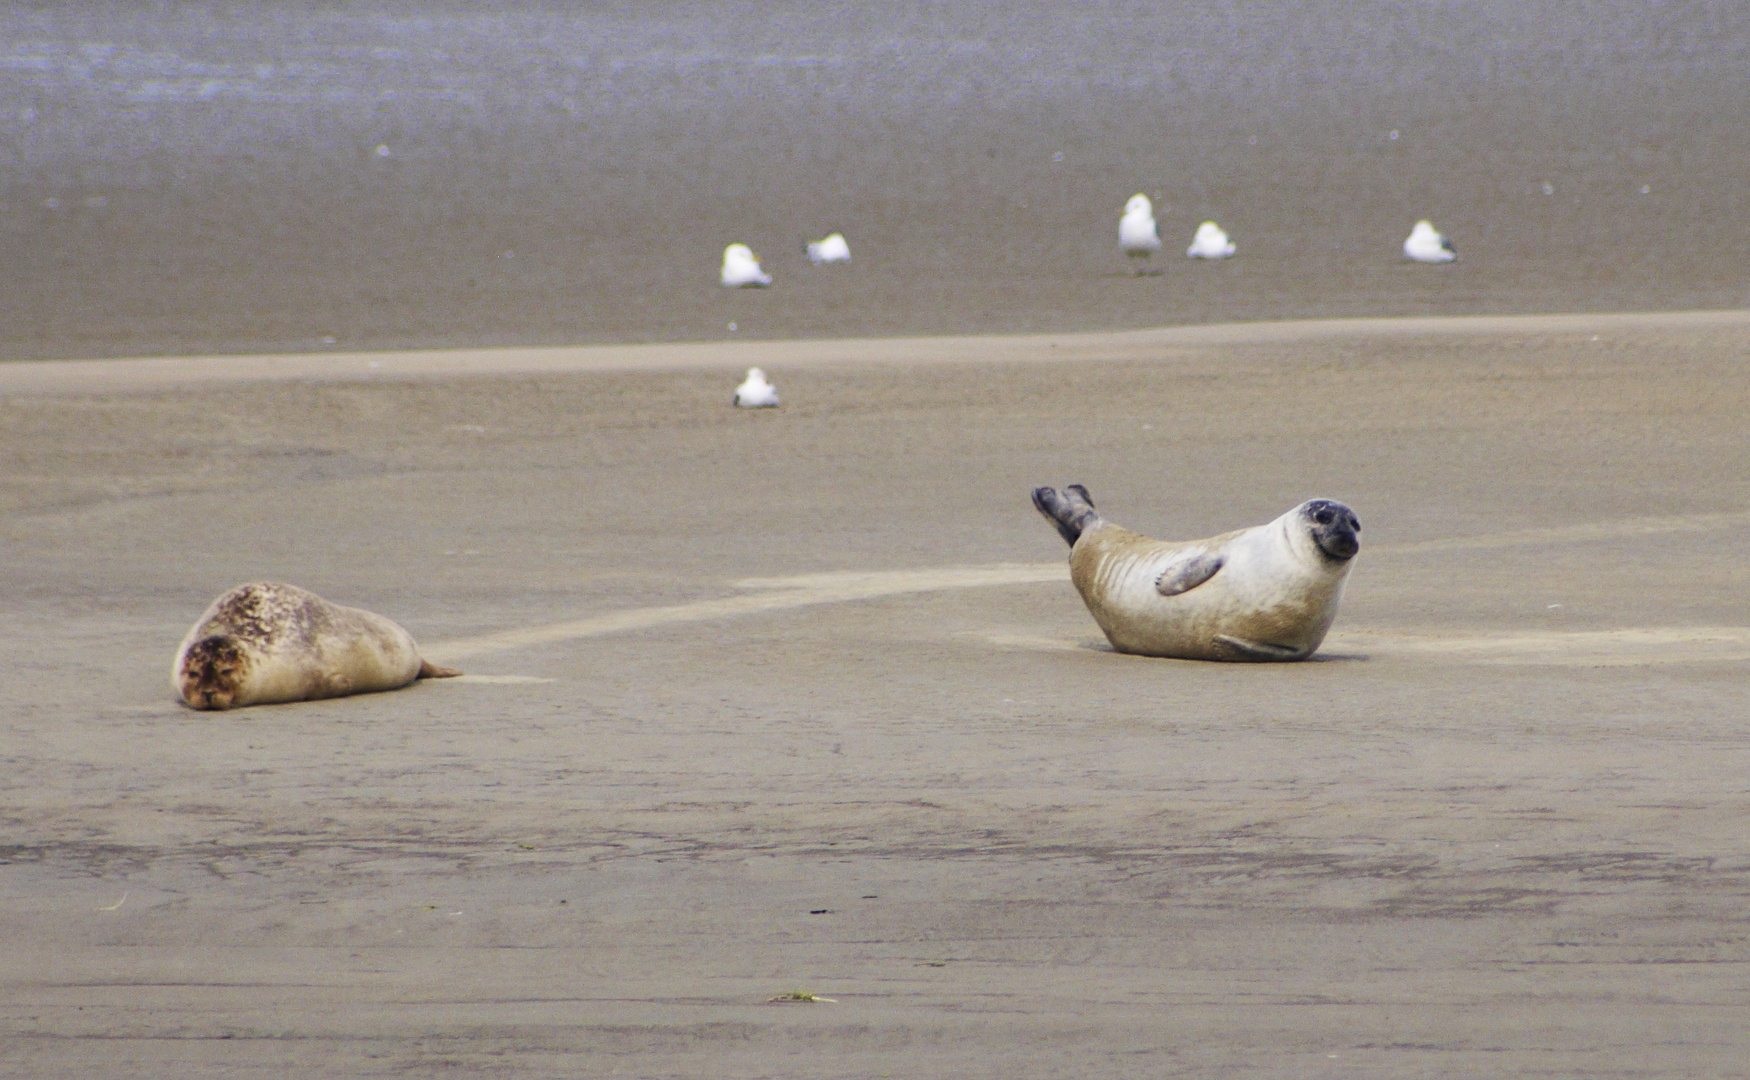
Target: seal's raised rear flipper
[(429, 670), (1071, 511)]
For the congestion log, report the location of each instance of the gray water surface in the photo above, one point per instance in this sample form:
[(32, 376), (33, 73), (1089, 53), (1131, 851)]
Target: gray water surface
[(203, 177)]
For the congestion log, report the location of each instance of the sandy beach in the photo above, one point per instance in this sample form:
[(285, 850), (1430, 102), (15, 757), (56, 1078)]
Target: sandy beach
[(785, 748), (800, 701)]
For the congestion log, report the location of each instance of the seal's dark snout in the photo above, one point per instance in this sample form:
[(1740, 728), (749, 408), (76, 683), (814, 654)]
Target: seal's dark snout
[(1339, 544), (1335, 528)]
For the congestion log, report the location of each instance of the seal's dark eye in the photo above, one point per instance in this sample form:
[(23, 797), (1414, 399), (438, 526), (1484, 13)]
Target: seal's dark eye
[(1354, 523), (1323, 517)]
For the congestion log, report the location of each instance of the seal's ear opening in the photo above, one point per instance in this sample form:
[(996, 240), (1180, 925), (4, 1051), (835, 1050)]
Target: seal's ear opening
[(212, 671)]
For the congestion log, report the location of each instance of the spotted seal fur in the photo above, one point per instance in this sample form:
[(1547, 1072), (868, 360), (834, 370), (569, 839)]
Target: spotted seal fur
[(268, 642)]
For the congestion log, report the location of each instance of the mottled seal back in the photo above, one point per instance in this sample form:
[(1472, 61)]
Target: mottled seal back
[(1265, 593), (268, 642)]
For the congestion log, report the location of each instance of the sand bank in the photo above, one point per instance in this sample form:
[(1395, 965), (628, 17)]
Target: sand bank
[(106, 376)]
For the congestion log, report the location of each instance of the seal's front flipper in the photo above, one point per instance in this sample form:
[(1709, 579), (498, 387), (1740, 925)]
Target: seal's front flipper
[(429, 670), (1260, 650), (1070, 511), (1184, 576)]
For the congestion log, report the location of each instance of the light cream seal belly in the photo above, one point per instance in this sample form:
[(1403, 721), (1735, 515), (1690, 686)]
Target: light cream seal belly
[(1265, 593), (267, 642)]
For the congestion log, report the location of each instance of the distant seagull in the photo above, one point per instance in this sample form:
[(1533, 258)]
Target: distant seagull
[(831, 250), (1427, 245), (756, 392), (1137, 235), (1210, 243), (741, 269)]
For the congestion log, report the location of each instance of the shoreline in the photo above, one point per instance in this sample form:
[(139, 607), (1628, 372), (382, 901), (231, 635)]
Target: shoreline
[(37, 377)]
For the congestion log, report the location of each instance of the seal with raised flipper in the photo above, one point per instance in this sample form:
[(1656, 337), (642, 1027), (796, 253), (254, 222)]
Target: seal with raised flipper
[(1265, 593), (267, 642)]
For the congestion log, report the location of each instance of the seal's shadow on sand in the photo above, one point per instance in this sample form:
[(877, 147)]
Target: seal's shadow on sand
[(1091, 645), (1042, 643)]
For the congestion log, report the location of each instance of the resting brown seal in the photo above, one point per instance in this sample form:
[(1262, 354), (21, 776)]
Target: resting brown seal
[(1265, 593), (265, 642)]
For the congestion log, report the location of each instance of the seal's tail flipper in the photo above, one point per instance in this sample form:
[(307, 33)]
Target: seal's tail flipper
[(429, 670), (1070, 510)]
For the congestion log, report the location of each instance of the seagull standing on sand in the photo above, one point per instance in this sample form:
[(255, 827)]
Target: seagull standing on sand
[(1427, 245), (1137, 235), (831, 250), (1210, 243), (741, 268), (756, 392)]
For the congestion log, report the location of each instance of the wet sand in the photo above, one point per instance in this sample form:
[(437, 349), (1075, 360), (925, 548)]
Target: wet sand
[(798, 701), (312, 177)]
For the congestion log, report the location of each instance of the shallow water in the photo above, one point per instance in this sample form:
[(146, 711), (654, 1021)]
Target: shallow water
[(212, 177)]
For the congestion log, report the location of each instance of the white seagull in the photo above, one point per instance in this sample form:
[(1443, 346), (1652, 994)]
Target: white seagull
[(1210, 243), (1428, 246), (1137, 235), (831, 250), (741, 268), (756, 392)]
